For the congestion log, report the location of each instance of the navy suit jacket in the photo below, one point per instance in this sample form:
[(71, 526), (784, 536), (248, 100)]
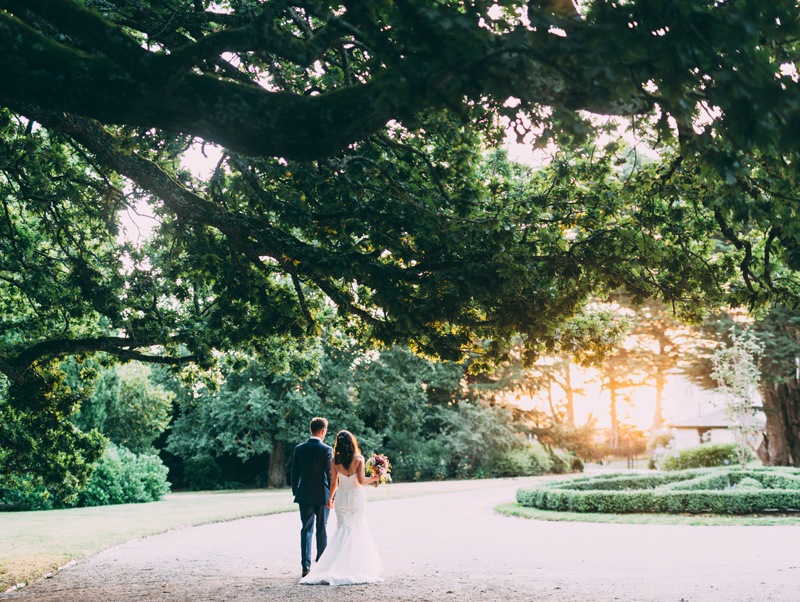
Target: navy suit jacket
[(311, 472)]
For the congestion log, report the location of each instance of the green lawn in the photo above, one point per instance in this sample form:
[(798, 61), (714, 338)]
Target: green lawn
[(33, 544)]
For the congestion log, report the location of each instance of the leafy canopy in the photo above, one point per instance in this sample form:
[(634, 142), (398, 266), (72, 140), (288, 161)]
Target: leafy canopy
[(353, 183)]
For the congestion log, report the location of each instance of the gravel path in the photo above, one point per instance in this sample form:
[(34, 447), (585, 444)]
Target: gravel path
[(446, 547)]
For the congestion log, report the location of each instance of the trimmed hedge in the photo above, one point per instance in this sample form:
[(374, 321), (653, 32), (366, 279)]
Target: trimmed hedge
[(714, 490)]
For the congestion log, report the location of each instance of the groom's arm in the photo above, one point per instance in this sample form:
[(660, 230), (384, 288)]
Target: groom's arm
[(295, 471), (328, 460)]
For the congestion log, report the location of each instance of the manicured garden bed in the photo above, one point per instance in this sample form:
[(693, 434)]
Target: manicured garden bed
[(712, 490)]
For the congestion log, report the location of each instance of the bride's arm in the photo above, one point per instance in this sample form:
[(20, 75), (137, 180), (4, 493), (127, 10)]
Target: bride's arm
[(362, 476), (334, 485)]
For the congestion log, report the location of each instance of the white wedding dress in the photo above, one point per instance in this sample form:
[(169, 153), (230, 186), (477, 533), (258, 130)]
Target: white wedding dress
[(351, 556)]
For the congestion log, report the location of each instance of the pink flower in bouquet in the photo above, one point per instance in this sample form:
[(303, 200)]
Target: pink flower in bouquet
[(379, 465)]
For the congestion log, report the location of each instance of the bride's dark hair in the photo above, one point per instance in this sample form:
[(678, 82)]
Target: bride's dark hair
[(346, 447)]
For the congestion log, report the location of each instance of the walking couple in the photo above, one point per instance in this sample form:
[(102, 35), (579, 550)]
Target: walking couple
[(325, 478)]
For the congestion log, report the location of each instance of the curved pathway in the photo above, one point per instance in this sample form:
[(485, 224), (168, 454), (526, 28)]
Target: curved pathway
[(446, 547)]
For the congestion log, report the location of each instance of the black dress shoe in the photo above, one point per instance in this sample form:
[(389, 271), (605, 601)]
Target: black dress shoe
[(305, 572)]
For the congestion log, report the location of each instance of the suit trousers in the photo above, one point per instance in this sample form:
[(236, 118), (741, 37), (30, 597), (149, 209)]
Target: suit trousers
[(312, 516)]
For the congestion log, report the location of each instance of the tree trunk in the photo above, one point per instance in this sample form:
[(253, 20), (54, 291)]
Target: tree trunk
[(658, 415), (553, 412), (781, 445), (277, 465), (570, 396), (614, 418)]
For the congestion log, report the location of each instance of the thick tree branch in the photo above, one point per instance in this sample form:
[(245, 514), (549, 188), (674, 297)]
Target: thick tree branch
[(55, 347), (88, 27), (11, 372), (254, 239), (249, 119), (187, 205), (164, 360), (18, 368), (742, 245), (259, 36), (129, 85), (302, 300), (773, 234)]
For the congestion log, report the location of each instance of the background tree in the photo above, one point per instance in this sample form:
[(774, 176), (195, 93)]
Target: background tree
[(127, 407), (240, 422), (619, 374), (778, 330), (583, 440), (662, 345), (558, 371), (631, 443), (241, 430), (738, 376)]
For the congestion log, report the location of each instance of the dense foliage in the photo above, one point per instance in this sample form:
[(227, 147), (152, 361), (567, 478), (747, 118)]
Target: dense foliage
[(119, 477), (122, 477), (418, 412), (711, 454), (777, 331), (738, 378), (353, 182), (719, 491), (126, 406)]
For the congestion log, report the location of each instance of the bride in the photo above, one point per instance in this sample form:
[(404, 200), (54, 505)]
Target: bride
[(351, 557)]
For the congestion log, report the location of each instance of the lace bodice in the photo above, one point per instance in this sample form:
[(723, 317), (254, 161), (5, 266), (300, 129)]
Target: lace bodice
[(350, 498)]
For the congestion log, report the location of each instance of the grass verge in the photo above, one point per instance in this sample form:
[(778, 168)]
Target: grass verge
[(519, 511), (36, 543), (33, 544)]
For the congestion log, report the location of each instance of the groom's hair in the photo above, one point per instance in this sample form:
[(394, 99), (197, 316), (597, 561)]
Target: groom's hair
[(318, 424)]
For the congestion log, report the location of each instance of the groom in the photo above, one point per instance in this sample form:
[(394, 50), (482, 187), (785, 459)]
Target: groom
[(311, 469)]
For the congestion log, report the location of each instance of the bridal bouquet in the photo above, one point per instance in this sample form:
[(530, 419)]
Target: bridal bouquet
[(379, 465)]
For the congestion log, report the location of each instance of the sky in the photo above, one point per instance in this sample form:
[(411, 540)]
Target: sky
[(137, 222)]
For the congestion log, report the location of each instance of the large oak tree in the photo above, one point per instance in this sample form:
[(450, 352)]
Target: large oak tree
[(353, 177)]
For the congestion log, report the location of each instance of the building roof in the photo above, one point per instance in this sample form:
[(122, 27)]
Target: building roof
[(712, 420)]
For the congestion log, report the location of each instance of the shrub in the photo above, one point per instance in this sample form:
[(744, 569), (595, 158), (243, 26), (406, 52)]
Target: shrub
[(202, 472), (560, 464), (777, 477), (122, 477), (429, 462), (119, 477), (522, 461), (618, 482), (703, 456), (542, 459), (563, 462), (716, 490), (18, 493), (748, 483)]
